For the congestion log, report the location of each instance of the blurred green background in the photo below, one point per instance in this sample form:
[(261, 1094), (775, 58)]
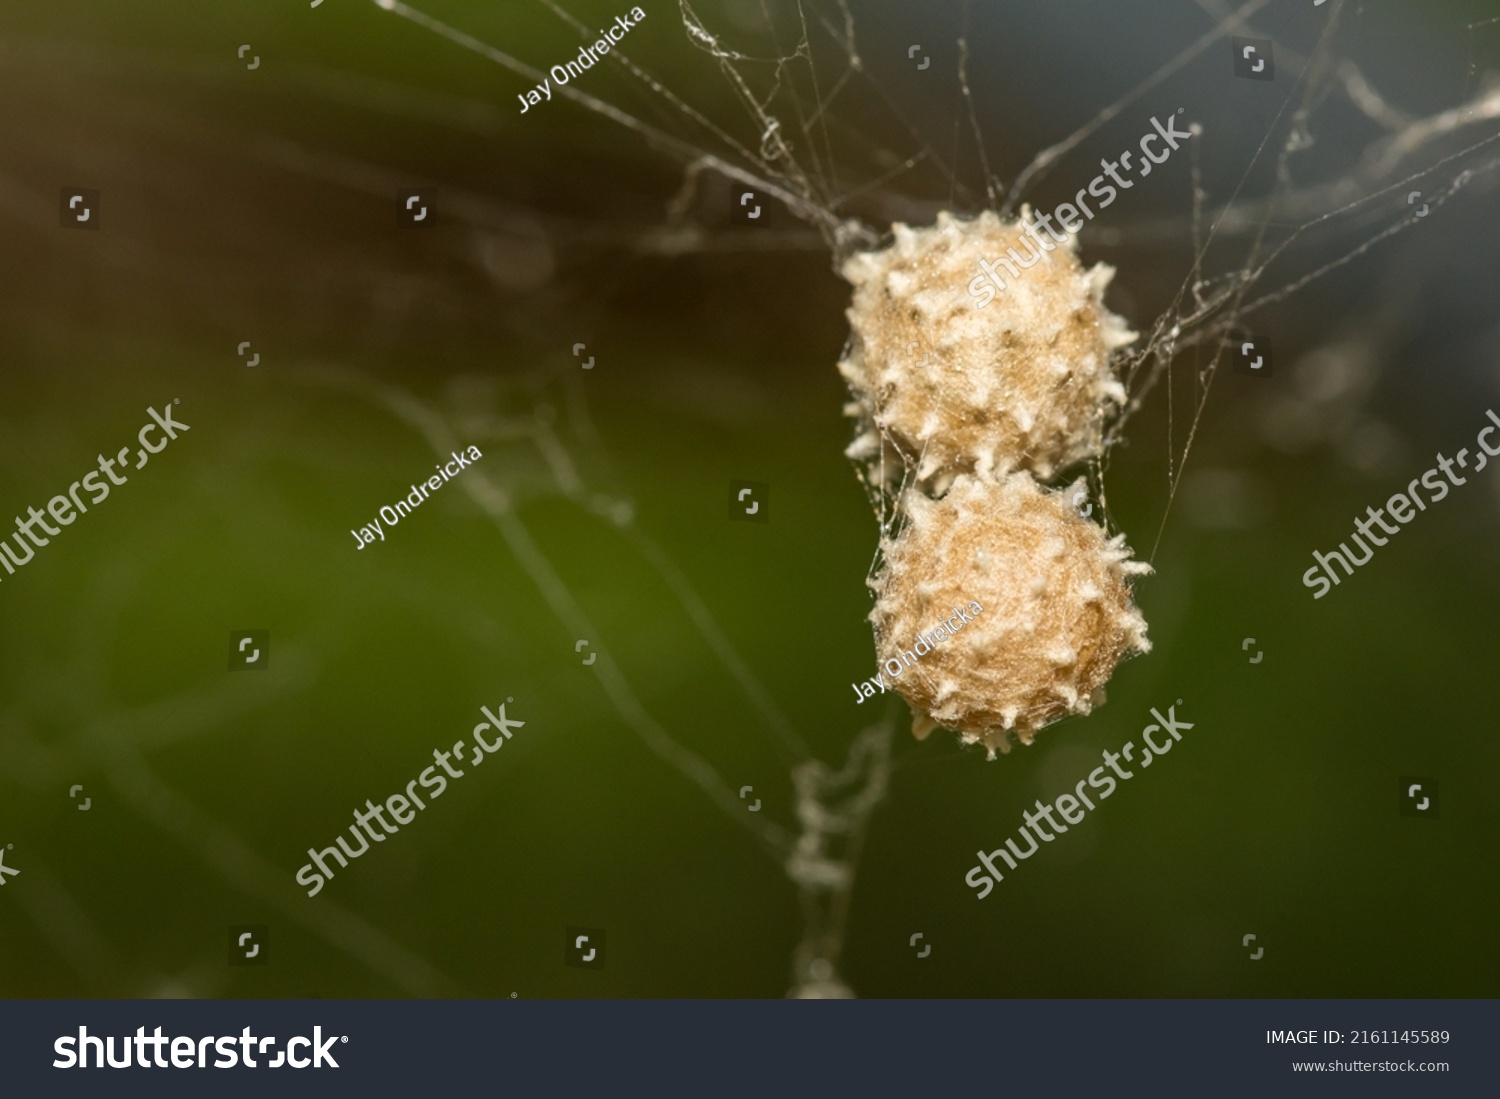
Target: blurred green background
[(259, 205)]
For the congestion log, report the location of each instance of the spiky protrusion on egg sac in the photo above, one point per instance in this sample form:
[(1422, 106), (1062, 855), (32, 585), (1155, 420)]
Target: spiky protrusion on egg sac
[(1056, 609), (1023, 382)]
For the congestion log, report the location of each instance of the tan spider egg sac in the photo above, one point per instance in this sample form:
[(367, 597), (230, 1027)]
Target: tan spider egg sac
[(976, 406), (1021, 383), (1056, 619)]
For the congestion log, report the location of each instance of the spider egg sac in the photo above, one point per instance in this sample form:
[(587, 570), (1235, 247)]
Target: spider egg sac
[(959, 376), (1054, 609)]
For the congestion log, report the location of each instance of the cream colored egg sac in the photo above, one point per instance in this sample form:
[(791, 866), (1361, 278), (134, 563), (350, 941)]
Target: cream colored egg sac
[(1054, 616), (959, 382)]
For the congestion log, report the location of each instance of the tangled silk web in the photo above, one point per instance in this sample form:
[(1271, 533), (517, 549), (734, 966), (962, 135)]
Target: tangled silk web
[(967, 420)]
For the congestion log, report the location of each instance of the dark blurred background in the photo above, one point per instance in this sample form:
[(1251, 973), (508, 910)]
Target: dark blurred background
[(259, 205)]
